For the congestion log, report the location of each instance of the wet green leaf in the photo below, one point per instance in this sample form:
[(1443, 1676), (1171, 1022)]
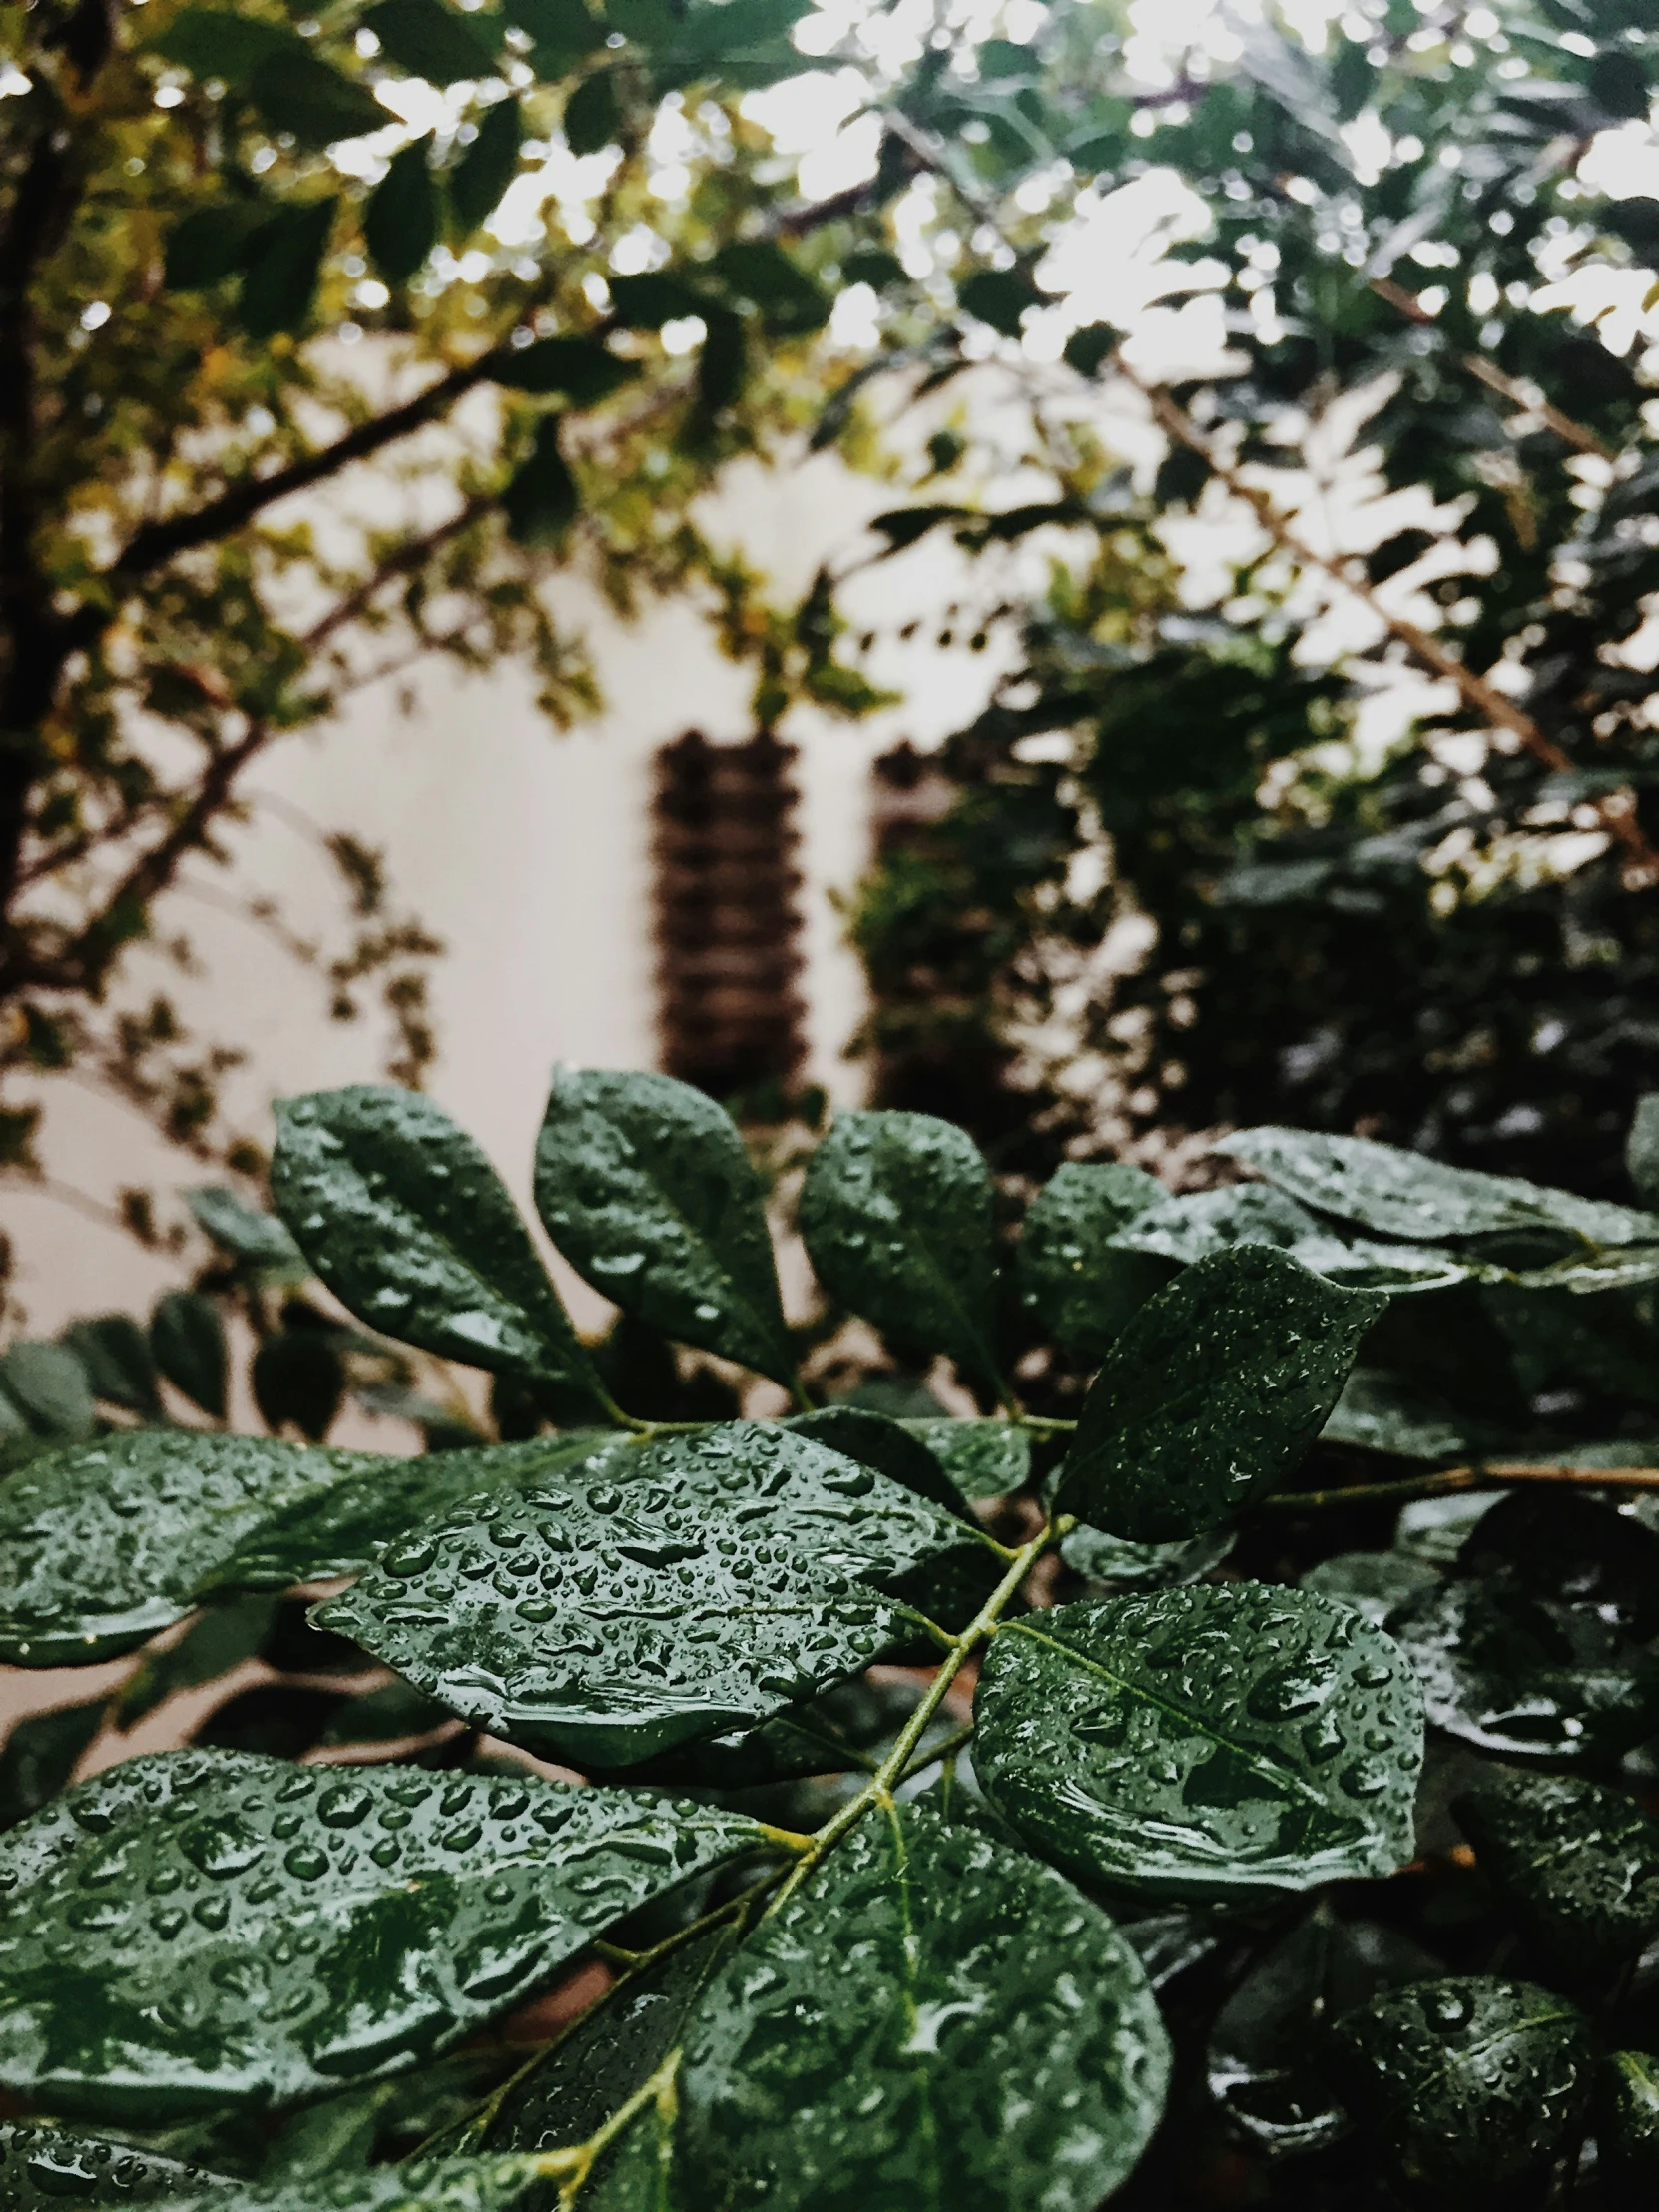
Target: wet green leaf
[(1130, 1566), (1081, 1288), (1375, 1583), (1472, 2086), (1199, 1223), (49, 1387), (488, 166), (244, 1231), (42, 2166), (1567, 1546), (1519, 1676), (1406, 1194), (889, 1447), (296, 90), (847, 1728), (645, 1187), (187, 1339), (1203, 1741), (1266, 2053), (1437, 1528), (1377, 1412), (578, 369), (400, 222), (120, 1368), (1641, 1149), (194, 1930), (429, 40), (40, 1753), (1577, 1863), (1210, 1394), (382, 1716), (983, 1459), (299, 1380), (934, 2021), (411, 1227), (419, 2185), (662, 1594), (897, 1214), (1627, 2129)]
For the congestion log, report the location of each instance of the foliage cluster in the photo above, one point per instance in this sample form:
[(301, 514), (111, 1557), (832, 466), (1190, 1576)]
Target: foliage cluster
[(1219, 1762)]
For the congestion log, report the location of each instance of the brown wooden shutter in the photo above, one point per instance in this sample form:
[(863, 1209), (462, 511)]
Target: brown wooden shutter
[(727, 952)]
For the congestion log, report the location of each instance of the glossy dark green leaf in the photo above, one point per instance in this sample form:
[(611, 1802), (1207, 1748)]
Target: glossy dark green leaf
[(401, 221), (1577, 1863), (1470, 2086), (542, 499), (227, 43), (1627, 2129), (214, 242), (282, 266), (296, 90), (49, 1387), (1405, 1194), (411, 1227), (120, 1369), (758, 271), (886, 1446), (1211, 1394), (39, 1756), (1375, 1583), (1080, 1290), (194, 1929), (218, 1639), (1641, 1149), (645, 1187), (593, 113), (1266, 2057), (1199, 1223), (1203, 1741), (1379, 1411), (382, 1716), (499, 2184), (102, 1545), (488, 166), (662, 1594), (983, 1459), (1130, 1566), (429, 40), (244, 1231), (897, 1214), (849, 1727), (609, 2055), (187, 1339), (298, 1381), (1437, 1528), (934, 2022), (652, 298), (1566, 1546), (1522, 1676), (577, 369), (42, 2166)]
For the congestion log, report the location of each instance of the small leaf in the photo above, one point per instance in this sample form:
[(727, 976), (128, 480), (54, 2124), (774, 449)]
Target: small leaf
[(661, 1595), (1000, 297), (243, 1230), (1641, 1149), (1380, 1412), (578, 369), (501, 2184), (1374, 1583), (40, 2166), (352, 1925), (1198, 1223), (983, 1459), (187, 1338), (296, 90), (382, 1716), (1579, 1863), (40, 1753), (649, 299), (282, 267), (542, 500), (299, 1380), (934, 2021), (429, 40), (1211, 1394), (1405, 1194), (897, 1214), (120, 1369), (1129, 1566), (488, 166), (216, 1641), (1627, 2130), (400, 222), (1266, 2057), (411, 1227), (722, 360), (1203, 1741), (645, 1187), (790, 302), (1522, 1676), (876, 267), (1472, 2086), (891, 1449), (593, 113), (214, 242), (563, 30), (49, 1387), (1077, 1286), (222, 42)]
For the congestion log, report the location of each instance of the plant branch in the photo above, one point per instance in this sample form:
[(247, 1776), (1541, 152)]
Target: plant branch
[(1451, 1479)]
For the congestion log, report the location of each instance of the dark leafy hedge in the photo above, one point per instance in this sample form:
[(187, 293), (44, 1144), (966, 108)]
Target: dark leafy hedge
[(1253, 1780)]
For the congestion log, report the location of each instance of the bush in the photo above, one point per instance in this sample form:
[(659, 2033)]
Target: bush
[(1101, 1792)]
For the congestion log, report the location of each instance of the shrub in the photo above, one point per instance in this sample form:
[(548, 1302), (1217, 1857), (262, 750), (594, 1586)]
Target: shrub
[(1261, 1837)]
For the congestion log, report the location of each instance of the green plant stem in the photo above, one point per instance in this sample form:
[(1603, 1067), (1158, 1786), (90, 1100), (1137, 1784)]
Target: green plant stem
[(1050, 1424), (1450, 1480), (957, 1741), (959, 1650)]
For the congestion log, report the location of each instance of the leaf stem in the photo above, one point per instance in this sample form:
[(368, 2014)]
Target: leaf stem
[(881, 1784), (1450, 1480)]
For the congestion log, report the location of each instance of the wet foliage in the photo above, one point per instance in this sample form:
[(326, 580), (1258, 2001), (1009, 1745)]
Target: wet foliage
[(1209, 1759)]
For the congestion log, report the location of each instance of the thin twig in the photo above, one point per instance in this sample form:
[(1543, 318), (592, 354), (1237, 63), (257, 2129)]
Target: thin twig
[(1496, 1473)]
